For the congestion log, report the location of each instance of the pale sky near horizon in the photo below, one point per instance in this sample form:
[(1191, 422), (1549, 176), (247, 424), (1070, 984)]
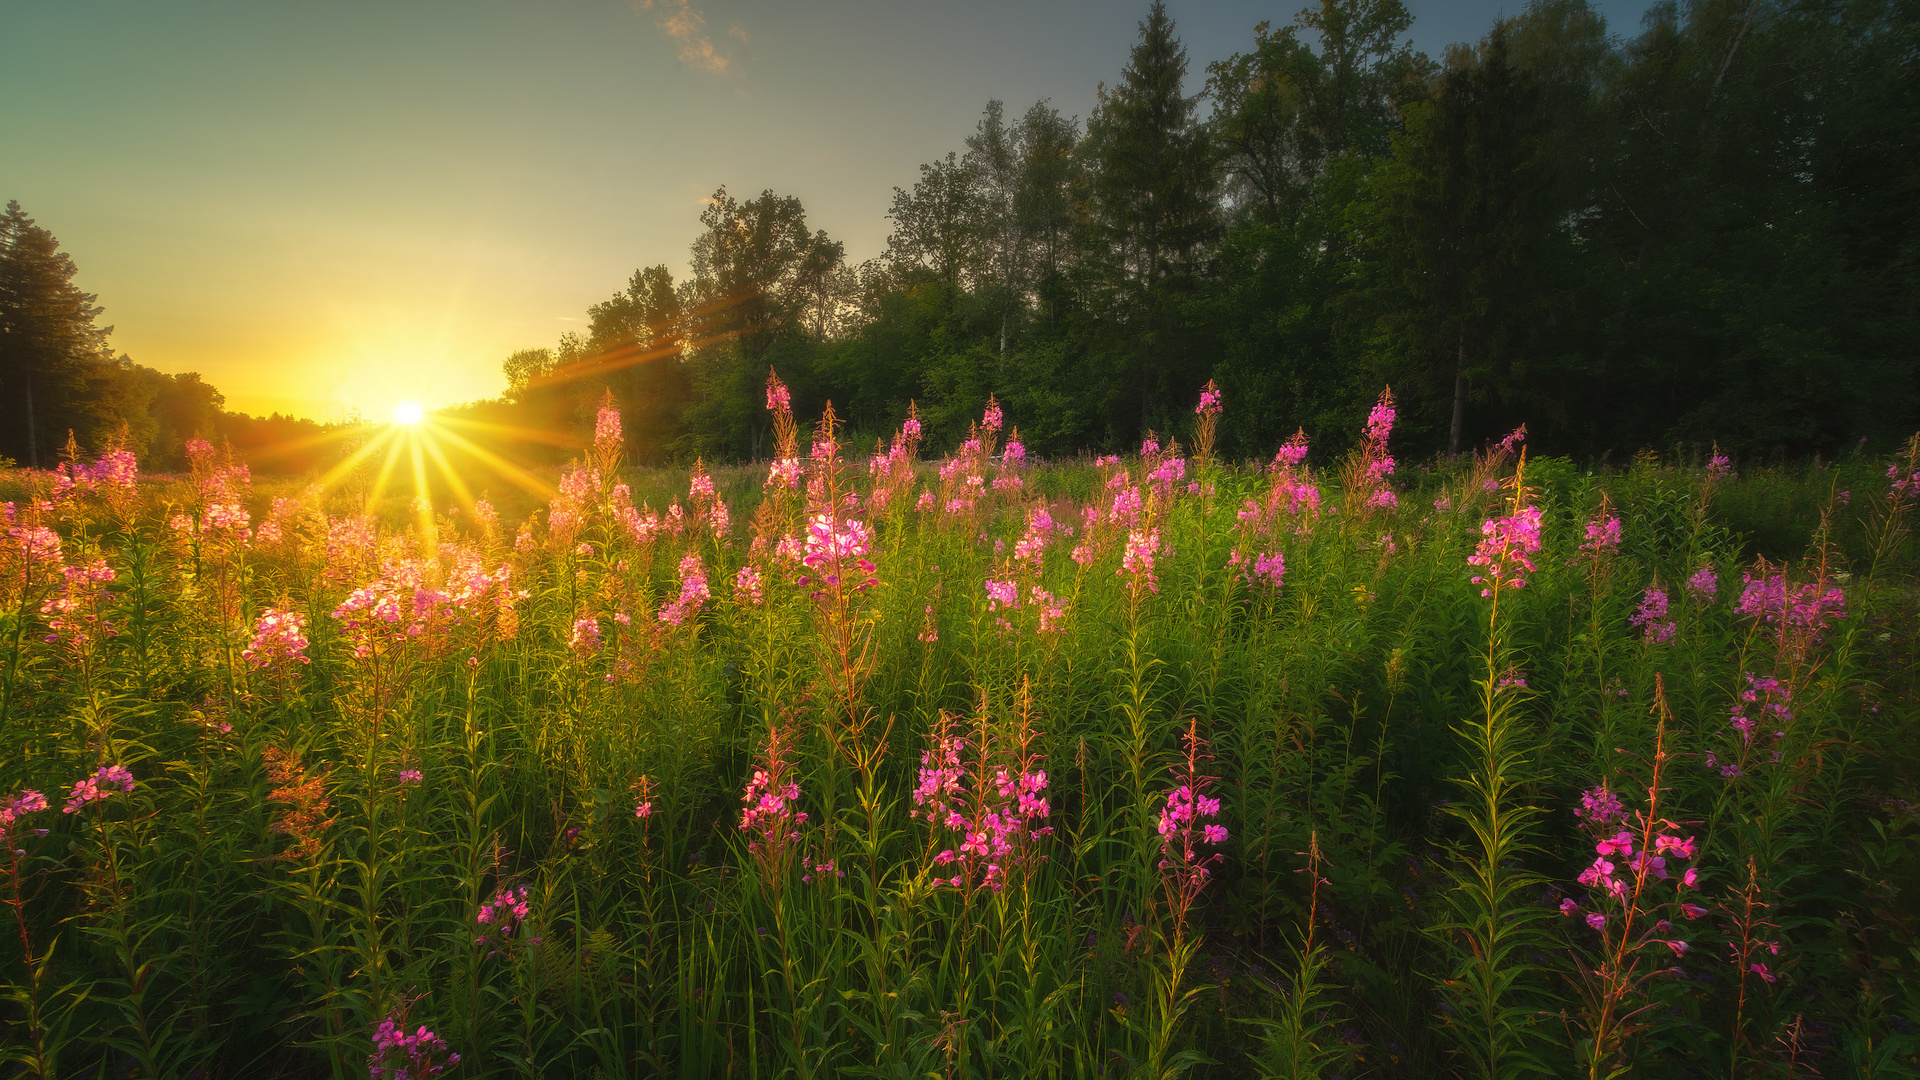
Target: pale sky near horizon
[(341, 206)]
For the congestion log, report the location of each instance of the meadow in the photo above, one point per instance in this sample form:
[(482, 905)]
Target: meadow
[(851, 765)]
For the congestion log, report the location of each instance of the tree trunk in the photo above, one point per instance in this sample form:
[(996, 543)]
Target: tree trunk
[(33, 440), (1459, 395)]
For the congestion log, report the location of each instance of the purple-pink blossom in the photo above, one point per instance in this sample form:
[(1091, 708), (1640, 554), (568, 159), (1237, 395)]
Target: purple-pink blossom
[(501, 918), (1603, 536), (400, 1056), (1137, 559), (279, 638), (1651, 617), (1505, 550), (99, 786)]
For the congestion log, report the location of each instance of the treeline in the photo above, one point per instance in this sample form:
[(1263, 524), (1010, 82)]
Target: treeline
[(1707, 231), (61, 376), (1702, 232)]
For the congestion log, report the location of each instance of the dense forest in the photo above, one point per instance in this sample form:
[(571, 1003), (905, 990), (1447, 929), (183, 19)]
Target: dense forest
[(1703, 230)]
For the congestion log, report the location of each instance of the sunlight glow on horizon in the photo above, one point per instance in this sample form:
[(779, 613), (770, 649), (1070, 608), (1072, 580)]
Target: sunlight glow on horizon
[(409, 413)]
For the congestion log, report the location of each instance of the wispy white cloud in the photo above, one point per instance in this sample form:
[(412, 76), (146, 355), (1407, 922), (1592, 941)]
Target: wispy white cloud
[(684, 23)]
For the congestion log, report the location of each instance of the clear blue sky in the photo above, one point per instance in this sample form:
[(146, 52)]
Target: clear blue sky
[(341, 205)]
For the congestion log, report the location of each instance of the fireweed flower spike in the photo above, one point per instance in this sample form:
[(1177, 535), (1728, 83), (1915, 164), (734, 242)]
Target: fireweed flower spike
[(1637, 891), (501, 918), (993, 808), (1185, 832), (1652, 619), (771, 818), (26, 801), (279, 639), (1506, 549), (98, 786), (398, 1055)]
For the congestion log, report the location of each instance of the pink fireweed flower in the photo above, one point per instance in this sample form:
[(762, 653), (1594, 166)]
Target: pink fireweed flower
[(993, 805), (1051, 611), (1166, 474), (408, 777), (1267, 570), (749, 587), (779, 398), (1603, 536), (35, 549), (226, 518), (992, 418), (279, 639), (1764, 701), (1015, 452), (694, 592), (1185, 831), (1002, 594), (584, 641), (1126, 507), (24, 802), (771, 818), (1380, 419), (1136, 561), (99, 786), (501, 918), (1292, 453), (1719, 465), (606, 427), (1805, 607), (77, 613), (1652, 619), (400, 1056), (1210, 403), (1600, 808), (1620, 843), (783, 474), (1506, 549), (1704, 585), (1374, 464), (835, 550)]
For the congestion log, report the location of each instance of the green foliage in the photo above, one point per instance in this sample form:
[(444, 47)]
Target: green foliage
[(276, 883)]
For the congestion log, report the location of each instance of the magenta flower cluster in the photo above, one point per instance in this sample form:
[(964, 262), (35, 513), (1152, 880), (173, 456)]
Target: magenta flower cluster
[(1651, 617), (1603, 536), (770, 818), (398, 1055), (837, 552), (502, 917), (279, 638), (26, 801), (694, 592), (1804, 607), (606, 427), (992, 810), (1136, 561), (1704, 585), (1506, 549), (1620, 875), (99, 786), (1210, 403)]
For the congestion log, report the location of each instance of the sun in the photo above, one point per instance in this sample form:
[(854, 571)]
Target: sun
[(409, 413)]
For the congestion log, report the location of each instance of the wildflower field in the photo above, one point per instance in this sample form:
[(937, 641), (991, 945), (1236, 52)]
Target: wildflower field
[(979, 766)]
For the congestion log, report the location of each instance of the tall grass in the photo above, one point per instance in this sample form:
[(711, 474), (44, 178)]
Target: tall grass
[(981, 767)]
